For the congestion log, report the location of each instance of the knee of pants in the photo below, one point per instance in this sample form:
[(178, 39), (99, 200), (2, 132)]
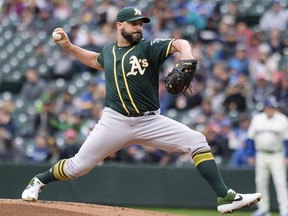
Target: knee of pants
[(199, 144), (76, 168)]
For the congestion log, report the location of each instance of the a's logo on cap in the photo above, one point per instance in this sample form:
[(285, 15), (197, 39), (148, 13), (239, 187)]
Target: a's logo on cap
[(137, 12)]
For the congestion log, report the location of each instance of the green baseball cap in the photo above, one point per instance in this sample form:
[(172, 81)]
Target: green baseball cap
[(130, 14)]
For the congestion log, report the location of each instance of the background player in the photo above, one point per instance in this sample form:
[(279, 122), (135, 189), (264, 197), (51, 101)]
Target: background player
[(268, 136), (132, 114)]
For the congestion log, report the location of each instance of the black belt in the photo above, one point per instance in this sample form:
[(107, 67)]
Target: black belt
[(148, 113)]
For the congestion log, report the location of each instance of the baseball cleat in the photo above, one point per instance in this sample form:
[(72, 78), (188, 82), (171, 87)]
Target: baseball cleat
[(233, 201), (33, 189)]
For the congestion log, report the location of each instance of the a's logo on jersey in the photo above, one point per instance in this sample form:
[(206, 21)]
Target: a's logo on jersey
[(138, 65), (137, 12)]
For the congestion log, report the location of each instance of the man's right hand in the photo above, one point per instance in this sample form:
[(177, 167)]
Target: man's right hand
[(64, 42)]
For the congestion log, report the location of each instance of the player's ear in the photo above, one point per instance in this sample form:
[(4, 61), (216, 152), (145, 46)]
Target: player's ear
[(119, 25)]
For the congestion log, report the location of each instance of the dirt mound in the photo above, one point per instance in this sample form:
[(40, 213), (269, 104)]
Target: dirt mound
[(16, 207)]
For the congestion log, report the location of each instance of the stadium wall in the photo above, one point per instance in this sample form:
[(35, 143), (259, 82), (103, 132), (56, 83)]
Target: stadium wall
[(130, 185)]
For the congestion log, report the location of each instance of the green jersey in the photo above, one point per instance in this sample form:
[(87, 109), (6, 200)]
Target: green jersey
[(132, 74)]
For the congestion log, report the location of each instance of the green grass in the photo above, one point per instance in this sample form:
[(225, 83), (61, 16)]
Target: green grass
[(199, 212)]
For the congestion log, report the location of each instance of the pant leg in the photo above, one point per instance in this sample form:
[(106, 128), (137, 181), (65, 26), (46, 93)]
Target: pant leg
[(166, 134), (109, 135), (262, 176), (278, 169)]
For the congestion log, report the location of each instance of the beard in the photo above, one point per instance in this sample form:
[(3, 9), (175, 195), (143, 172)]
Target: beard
[(132, 38)]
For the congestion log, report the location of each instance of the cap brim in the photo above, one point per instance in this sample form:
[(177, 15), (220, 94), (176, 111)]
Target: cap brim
[(145, 19)]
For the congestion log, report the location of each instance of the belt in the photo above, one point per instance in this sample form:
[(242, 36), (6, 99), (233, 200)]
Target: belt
[(269, 151), (148, 113)]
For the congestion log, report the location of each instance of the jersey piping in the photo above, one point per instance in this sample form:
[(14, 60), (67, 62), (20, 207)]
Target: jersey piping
[(169, 47), (116, 82), (98, 62), (125, 80)]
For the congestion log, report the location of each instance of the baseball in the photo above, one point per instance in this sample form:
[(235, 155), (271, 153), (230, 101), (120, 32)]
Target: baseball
[(56, 36)]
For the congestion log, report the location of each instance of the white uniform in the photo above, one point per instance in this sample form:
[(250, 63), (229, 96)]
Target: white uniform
[(269, 135)]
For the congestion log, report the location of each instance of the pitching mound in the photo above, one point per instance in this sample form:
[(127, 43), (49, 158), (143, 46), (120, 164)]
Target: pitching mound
[(18, 207)]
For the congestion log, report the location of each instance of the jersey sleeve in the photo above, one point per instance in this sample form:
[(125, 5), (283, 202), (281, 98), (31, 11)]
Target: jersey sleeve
[(99, 59), (158, 49)]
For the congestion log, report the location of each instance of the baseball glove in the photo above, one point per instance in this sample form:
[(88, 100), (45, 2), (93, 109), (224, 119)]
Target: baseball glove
[(179, 79)]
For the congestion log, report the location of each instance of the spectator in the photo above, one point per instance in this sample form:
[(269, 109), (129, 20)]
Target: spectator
[(33, 87), (71, 145), (31, 11), (187, 102), (7, 122), (39, 151), (233, 12), (281, 93), (87, 14), (94, 95), (46, 121), (239, 62), (50, 94), (237, 142), (202, 114), (44, 21), (133, 154), (261, 89), (275, 17), (152, 155), (219, 75), (85, 125), (65, 102), (253, 46), (201, 7), (235, 101), (64, 67), (244, 33), (41, 53), (179, 9), (212, 54), (217, 97), (62, 10), (78, 35), (275, 41), (222, 136), (107, 12), (264, 65), (53, 149), (14, 10), (162, 18), (166, 99), (9, 152), (218, 148), (98, 39)]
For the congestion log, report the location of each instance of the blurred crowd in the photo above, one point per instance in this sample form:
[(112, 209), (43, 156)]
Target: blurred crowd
[(240, 63)]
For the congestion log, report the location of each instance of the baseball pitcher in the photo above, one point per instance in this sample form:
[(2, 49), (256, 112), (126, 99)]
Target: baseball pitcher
[(131, 114)]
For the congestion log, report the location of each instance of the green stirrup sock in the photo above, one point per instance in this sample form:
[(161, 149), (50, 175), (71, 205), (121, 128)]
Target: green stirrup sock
[(208, 168), (46, 177), (55, 173)]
